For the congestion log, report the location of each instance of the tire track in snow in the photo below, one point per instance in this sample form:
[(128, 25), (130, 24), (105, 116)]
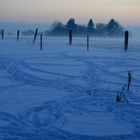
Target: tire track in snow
[(12, 67)]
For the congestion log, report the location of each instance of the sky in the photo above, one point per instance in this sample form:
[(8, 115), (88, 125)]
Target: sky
[(48, 11)]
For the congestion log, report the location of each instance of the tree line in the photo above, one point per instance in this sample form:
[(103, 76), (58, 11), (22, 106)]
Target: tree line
[(112, 28)]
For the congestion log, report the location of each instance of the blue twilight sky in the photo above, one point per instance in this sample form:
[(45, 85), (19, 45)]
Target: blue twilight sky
[(127, 12)]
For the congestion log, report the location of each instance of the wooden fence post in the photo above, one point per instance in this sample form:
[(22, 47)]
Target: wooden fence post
[(2, 34), (87, 42), (35, 35), (70, 37), (18, 35), (41, 42), (126, 40)]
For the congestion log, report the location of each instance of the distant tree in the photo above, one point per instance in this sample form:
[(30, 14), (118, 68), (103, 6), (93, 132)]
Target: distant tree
[(101, 29), (57, 28), (114, 28), (81, 30), (90, 27), (71, 25), (28, 32)]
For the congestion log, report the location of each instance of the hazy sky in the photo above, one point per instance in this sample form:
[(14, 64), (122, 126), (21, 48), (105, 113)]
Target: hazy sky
[(127, 12)]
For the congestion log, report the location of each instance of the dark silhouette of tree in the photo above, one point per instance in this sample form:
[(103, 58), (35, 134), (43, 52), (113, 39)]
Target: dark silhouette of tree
[(101, 29), (90, 27), (81, 30), (71, 25), (114, 28), (58, 29)]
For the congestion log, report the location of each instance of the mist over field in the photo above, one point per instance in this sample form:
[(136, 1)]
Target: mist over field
[(13, 27)]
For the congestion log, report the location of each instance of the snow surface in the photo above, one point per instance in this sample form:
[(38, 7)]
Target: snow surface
[(66, 93), (97, 123)]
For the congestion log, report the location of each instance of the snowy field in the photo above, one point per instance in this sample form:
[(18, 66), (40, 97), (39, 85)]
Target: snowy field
[(66, 93)]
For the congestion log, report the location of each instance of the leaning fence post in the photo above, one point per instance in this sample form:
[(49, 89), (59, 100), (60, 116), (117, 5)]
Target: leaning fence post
[(41, 42), (18, 35), (87, 42), (70, 37), (2, 34), (35, 35), (126, 40)]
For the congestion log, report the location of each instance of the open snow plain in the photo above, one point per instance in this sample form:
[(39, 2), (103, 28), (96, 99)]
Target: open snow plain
[(66, 93)]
